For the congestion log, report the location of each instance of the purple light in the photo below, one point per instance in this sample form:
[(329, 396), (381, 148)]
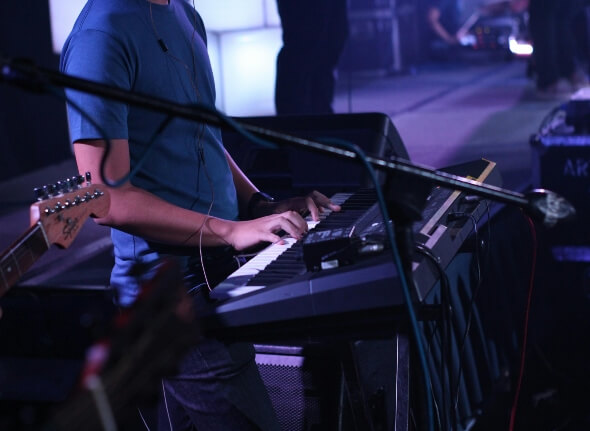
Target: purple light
[(571, 253)]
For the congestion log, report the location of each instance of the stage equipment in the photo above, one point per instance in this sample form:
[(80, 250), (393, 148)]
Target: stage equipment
[(347, 385), (56, 218), (274, 295), (287, 172), (561, 161), (383, 36)]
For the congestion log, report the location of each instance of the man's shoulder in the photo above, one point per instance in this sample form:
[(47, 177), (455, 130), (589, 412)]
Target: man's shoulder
[(108, 15), (194, 16)]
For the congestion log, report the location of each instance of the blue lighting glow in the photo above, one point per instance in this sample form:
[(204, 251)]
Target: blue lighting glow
[(571, 253)]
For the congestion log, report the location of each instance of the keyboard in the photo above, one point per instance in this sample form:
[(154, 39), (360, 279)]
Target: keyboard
[(275, 286)]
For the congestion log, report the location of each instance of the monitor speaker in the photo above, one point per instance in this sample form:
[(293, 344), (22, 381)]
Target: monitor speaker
[(289, 171)]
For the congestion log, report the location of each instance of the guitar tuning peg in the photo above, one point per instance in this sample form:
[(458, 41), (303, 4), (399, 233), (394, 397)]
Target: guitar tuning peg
[(88, 178), (79, 181), (50, 189), (61, 187), (40, 193), (72, 183)]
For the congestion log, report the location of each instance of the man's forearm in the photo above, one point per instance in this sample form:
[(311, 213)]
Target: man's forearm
[(141, 213)]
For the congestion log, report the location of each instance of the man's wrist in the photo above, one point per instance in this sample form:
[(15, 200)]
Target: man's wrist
[(255, 200)]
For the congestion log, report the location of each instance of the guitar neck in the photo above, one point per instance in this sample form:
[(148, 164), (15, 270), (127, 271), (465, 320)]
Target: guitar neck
[(21, 255)]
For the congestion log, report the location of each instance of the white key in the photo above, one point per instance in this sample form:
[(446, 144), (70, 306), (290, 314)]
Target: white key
[(235, 284)]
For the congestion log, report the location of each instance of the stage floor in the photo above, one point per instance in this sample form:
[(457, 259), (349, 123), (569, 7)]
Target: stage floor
[(452, 113)]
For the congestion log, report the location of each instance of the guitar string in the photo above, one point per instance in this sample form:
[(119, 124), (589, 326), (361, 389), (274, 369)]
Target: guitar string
[(143, 419)]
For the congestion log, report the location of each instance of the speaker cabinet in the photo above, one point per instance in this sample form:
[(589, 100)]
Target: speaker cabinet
[(562, 164), (339, 386), (302, 386)]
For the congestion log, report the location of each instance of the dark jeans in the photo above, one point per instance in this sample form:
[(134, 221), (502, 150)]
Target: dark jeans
[(551, 26), (314, 33), (218, 386)]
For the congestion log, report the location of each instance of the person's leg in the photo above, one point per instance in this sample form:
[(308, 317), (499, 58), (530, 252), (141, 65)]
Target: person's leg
[(543, 31), (217, 388), (329, 49), (567, 43), (292, 90), (217, 385), (314, 32)]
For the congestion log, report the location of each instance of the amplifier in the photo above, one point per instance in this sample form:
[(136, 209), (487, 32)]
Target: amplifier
[(345, 386), (561, 163)]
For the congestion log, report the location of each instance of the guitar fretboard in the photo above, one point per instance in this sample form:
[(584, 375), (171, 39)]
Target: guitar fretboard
[(21, 256)]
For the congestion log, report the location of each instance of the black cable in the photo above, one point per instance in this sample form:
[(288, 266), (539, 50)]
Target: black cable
[(489, 225), (389, 230), (127, 177), (448, 344), (446, 371), (471, 303), (430, 330)]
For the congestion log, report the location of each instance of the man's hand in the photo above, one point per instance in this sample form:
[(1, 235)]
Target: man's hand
[(313, 204), (246, 234), (274, 217)]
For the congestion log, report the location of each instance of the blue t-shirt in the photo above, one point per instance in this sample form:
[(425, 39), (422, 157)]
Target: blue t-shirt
[(116, 42)]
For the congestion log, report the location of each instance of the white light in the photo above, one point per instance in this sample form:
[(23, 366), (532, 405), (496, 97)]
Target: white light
[(468, 40), (213, 42), (224, 15), (271, 13), (247, 70), (518, 47), (62, 15)]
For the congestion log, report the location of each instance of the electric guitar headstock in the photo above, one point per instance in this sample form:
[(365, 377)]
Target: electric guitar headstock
[(63, 207), (56, 218)]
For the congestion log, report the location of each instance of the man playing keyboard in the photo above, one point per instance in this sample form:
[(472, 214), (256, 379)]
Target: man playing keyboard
[(188, 199)]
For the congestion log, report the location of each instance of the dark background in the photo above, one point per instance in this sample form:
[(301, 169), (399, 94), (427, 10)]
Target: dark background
[(33, 127)]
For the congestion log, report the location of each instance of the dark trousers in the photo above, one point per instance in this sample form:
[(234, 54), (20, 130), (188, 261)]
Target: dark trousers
[(551, 26), (314, 33), (218, 386)]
